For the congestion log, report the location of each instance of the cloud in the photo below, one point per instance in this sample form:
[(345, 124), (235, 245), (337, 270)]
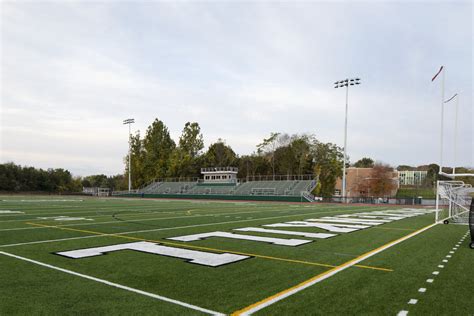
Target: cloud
[(72, 72)]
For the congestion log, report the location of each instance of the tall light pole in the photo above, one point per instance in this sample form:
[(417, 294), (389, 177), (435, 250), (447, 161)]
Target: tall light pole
[(339, 84), (441, 71), (455, 128), (129, 122)]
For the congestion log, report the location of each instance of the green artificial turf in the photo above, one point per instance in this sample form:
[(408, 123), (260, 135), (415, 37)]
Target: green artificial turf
[(32, 289)]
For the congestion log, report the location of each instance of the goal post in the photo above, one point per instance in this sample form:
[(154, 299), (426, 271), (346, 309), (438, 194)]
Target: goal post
[(471, 223), (453, 202)]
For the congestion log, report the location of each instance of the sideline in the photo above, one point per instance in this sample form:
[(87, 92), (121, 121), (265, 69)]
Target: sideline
[(120, 286), (325, 275)]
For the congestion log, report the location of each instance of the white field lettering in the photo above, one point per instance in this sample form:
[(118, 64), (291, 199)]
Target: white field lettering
[(66, 218), (270, 240), (345, 223), (336, 224), (337, 228), (191, 256), (11, 212)]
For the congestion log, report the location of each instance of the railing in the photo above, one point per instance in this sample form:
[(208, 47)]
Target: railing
[(277, 177), (123, 192), (219, 169)]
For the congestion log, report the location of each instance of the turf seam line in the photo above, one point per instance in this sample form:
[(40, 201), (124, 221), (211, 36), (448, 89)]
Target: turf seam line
[(120, 286), (325, 275)]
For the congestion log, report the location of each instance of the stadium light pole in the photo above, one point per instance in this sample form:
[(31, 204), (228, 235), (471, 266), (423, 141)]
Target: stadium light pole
[(129, 122), (455, 128), (339, 84)]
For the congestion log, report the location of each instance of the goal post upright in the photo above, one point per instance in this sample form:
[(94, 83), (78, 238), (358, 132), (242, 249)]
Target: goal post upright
[(437, 202)]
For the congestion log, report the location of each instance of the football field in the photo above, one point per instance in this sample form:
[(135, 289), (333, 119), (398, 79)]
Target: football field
[(116, 256)]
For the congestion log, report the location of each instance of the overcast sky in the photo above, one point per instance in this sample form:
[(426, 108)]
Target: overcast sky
[(72, 71)]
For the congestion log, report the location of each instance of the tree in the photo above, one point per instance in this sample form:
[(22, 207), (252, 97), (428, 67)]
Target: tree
[(253, 165), (158, 147), (138, 154), (285, 160), (17, 178), (191, 140), (268, 146), (220, 155), (431, 175), (405, 168), (364, 163), (184, 161), (382, 182), (300, 147), (328, 159)]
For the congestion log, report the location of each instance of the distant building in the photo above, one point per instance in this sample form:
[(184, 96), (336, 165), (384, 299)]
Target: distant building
[(360, 182), (220, 174), (409, 177)]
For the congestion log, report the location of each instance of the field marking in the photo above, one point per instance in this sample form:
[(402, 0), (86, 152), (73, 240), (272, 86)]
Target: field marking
[(212, 249), (124, 233), (120, 286), (184, 217), (325, 275), (150, 207), (150, 219), (394, 228), (46, 241)]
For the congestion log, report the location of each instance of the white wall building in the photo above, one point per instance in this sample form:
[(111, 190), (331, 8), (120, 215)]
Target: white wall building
[(220, 174), (412, 177)]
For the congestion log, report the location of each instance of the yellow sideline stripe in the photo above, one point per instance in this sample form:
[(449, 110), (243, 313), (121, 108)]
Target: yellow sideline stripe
[(248, 310), (207, 248)]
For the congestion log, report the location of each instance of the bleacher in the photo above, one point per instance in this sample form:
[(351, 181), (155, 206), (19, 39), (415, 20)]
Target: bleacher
[(264, 188), (285, 188), (168, 188), (222, 183), (250, 188), (151, 188), (213, 189)]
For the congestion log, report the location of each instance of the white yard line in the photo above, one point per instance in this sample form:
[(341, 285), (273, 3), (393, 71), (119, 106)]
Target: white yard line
[(139, 231), (175, 217), (116, 285), (48, 241), (124, 233)]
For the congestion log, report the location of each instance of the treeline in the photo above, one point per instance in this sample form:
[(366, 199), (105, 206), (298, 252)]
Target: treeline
[(16, 178), (156, 156)]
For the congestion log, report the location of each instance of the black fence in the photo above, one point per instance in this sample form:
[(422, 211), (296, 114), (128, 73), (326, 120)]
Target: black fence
[(381, 200)]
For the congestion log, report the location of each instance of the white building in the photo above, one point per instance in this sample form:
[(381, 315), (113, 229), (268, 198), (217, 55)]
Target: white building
[(220, 174), (412, 177)]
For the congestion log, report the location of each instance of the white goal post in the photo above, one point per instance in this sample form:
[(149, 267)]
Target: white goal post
[(453, 200)]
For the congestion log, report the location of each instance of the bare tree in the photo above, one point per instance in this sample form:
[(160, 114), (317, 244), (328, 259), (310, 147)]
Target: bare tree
[(382, 181)]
